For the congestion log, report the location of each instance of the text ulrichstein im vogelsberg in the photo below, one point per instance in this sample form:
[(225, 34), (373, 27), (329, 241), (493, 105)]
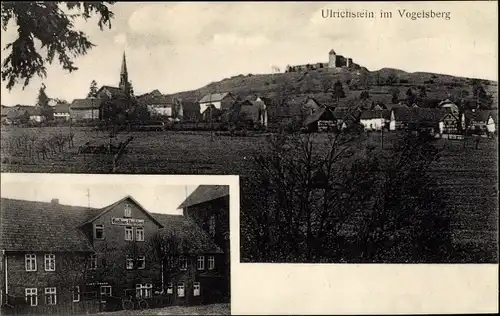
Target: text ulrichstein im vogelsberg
[(387, 14)]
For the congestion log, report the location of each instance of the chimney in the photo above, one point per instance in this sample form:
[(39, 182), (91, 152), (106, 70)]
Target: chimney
[(54, 201)]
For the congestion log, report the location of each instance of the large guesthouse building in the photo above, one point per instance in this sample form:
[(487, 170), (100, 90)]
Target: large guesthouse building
[(69, 259)]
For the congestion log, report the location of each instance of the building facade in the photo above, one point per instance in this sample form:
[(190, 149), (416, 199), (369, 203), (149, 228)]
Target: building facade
[(60, 258), (220, 101), (208, 207)]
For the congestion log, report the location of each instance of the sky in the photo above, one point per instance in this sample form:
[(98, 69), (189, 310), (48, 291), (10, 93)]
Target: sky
[(156, 194), (176, 47)]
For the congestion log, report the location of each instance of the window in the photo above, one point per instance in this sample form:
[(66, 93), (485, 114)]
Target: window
[(170, 288), (211, 262), (201, 263), (105, 290), (180, 289), (128, 210), (30, 260), (182, 263), (129, 233), (211, 226), (31, 296), (141, 262), (170, 262), (196, 289), (93, 262), (76, 294), (139, 234), (50, 262), (129, 263), (144, 290), (98, 231), (50, 296)]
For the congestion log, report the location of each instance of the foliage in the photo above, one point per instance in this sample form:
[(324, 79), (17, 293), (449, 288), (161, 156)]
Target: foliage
[(92, 90), (483, 99), (332, 201), (47, 22), (338, 91), (365, 95), (410, 221), (296, 198), (394, 91)]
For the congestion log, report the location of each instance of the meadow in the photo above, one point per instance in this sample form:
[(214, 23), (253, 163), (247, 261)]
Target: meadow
[(468, 175)]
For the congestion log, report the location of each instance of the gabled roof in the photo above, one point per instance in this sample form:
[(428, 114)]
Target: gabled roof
[(191, 237), (42, 226), (85, 104), (61, 108), (108, 208), (205, 193), (374, 114), (15, 113), (214, 97), (346, 113), (418, 114), (320, 113), (115, 91)]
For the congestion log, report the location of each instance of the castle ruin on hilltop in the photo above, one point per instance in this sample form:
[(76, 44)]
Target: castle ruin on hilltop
[(334, 61)]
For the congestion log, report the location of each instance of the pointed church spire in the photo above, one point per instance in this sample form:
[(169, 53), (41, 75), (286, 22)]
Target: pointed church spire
[(124, 83), (124, 65)]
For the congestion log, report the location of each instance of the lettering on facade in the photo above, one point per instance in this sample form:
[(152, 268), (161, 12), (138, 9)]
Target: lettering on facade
[(127, 221)]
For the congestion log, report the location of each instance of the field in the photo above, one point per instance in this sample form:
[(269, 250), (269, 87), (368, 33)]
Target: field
[(468, 175)]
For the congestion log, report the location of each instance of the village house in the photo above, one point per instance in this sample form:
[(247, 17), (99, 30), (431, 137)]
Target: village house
[(16, 115), (220, 101), (481, 121), (449, 105), (208, 207), (320, 120), (36, 114), (346, 117), (415, 118), (66, 259), (161, 106), (255, 111), (86, 109), (375, 120), (449, 123), (61, 112)]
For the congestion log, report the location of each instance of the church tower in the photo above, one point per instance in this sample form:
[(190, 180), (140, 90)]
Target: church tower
[(332, 60), (124, 83)]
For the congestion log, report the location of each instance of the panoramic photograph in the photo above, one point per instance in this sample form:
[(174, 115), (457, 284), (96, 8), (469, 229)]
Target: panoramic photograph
[(361, 133), (83, 245)]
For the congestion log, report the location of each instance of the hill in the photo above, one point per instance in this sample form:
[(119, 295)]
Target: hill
[(316, 82)]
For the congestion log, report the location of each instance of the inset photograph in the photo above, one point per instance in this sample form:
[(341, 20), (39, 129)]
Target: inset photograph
[(82, 244)]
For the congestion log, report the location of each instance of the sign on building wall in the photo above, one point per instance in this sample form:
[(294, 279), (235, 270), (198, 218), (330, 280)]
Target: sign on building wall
[(127, 221)]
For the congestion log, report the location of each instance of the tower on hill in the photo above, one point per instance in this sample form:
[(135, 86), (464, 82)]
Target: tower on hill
[(332, 59)]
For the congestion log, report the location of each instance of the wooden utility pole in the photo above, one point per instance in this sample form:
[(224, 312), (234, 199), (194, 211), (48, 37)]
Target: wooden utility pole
[(88, 197)]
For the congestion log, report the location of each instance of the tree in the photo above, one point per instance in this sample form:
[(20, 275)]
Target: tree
[(42, 99), (43, 103), (299, 197), (391, 79), (422, 93), (47, 22), (394, 91), (93, 90), (482, 98), (409, 221), (338, 91), (365, 95), (410, 97)]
